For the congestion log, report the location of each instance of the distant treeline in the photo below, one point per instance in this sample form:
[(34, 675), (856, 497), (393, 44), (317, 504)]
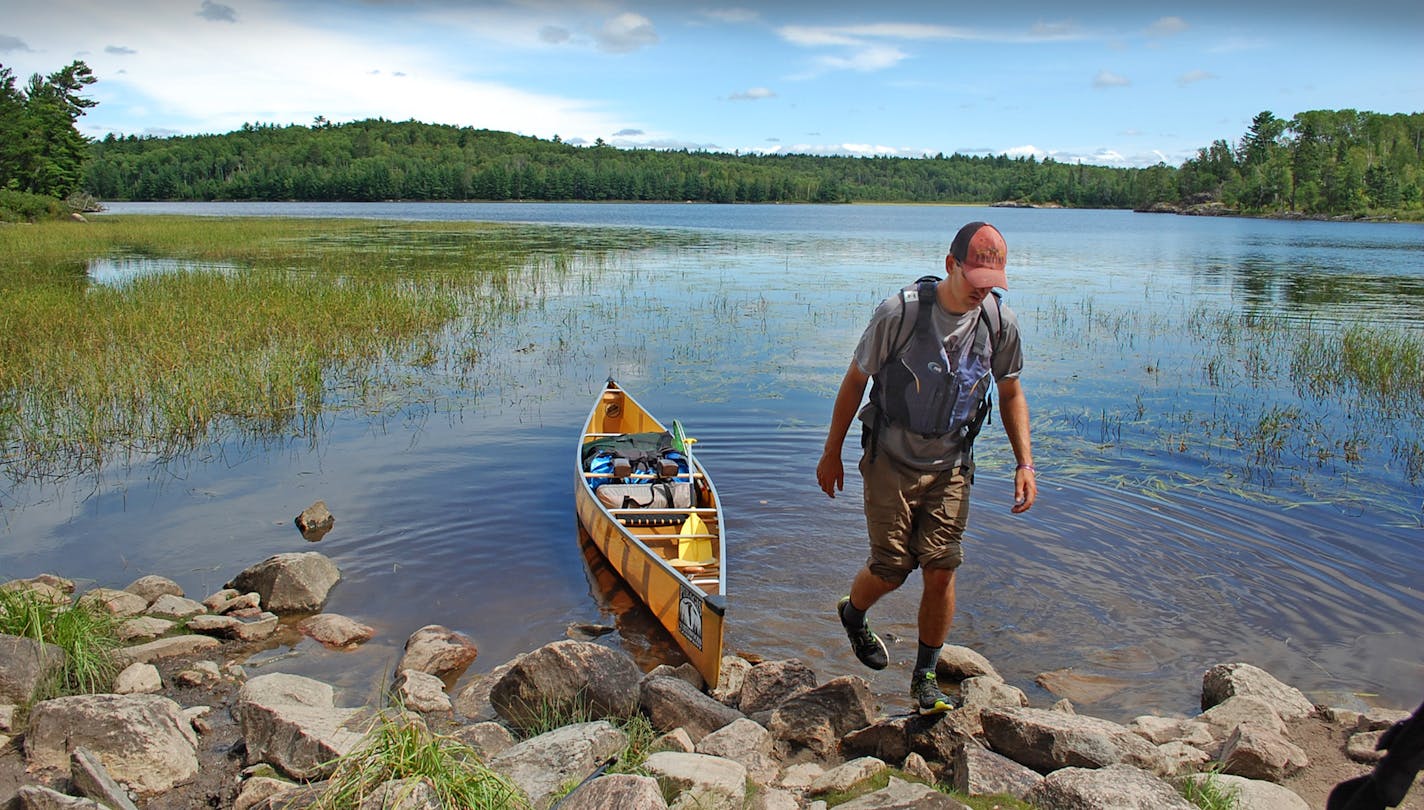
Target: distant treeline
[(1342, 162)]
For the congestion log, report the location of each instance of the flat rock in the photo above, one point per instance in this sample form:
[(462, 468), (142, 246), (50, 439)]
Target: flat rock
[(541, 765), (1080, 687), (1120, 787), (336, 631), (165, 648), (143, 741), (1231, 680)]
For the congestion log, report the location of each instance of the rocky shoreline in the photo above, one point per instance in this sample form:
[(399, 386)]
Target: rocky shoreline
[(185, 726), (1212, 208)]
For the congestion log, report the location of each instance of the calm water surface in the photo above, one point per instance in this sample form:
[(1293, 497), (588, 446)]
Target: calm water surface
[(1145, 561)]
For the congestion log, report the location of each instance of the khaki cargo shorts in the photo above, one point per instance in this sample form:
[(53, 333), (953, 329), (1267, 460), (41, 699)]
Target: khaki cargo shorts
[(915, 518)]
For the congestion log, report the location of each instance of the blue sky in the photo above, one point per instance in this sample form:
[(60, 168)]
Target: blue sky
[(1108, 83)]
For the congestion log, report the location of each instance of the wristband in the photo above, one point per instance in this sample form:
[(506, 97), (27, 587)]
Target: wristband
[(1028, 467)]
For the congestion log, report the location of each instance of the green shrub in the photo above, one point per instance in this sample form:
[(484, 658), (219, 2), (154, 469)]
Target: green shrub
[(20, 206)]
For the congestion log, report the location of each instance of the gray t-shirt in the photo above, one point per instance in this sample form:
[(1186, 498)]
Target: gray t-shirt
[(956, 332)]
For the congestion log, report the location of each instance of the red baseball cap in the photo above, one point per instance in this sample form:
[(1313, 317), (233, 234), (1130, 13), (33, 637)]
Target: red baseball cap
[(980, 249)]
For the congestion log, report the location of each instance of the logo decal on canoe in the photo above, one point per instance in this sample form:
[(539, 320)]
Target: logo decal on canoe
[(689, 616)]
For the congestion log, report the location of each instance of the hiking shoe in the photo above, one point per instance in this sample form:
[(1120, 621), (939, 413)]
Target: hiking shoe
[(924, 690), (868, 646)]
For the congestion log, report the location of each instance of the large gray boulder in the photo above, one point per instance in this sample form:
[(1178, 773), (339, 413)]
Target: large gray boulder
[(746, 742), (153, 586), (24, 664), (1224, 718), (977, 771), (1119, 787), (704, 782), (290, 583), (624, 791), (769, 683), (671, 703), (567, 678), (1259, 753), (1047, 741), (886, 739), (1253, 794), (539, 766), (438, 651), (143, 741), (958, 663), (293, 723), (1231, 680), (815, 720)]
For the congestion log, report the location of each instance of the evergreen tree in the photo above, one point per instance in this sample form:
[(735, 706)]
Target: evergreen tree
[(41, 151)]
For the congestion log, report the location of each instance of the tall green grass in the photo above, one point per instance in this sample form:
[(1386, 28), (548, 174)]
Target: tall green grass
[(87, 635), (269, 323), (401, 747)]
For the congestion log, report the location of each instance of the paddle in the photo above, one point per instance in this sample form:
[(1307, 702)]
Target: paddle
[(695, 550)]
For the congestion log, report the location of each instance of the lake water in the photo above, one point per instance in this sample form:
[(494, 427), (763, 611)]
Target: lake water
[(1161, 544)]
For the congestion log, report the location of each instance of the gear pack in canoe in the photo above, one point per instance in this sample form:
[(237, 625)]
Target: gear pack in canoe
[(639, 470)]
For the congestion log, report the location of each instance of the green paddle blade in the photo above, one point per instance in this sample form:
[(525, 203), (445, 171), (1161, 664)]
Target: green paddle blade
[(679, 437)]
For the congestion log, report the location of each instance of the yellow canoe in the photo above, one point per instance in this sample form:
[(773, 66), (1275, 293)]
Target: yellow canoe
[(670, 552)]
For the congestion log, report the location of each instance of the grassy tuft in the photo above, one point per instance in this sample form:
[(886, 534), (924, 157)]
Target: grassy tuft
[(86, 633), (1209, 793), (401, 748)]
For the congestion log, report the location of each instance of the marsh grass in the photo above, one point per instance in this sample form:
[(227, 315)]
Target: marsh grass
[(399, 747), (86, 633), (301, 316), (1250, 398)]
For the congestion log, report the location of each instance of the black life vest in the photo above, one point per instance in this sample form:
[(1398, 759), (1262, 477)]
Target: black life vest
[(919, 389)]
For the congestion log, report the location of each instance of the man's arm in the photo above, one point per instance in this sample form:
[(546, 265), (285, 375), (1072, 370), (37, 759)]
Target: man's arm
[(830, 473), (1013, 412)]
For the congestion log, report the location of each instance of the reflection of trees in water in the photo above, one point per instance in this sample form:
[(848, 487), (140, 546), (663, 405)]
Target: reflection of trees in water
[(1260, 281)]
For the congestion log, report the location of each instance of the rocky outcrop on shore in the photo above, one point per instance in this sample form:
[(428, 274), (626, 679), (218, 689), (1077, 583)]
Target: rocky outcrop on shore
[(186, 726)]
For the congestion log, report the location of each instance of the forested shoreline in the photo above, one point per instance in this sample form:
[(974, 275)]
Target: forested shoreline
[(1335, 163), (1330, 163)]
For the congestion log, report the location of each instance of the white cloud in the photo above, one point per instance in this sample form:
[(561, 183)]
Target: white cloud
[(1194, 76), (1106, 79), (283, 71), (1054, 30), (731, 15), (1167, 26), (866, 59), (625, 33), (1027, 150), (752, 94), (119, 50)]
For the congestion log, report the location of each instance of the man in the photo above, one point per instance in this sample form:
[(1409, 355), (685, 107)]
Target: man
[(930, 350)]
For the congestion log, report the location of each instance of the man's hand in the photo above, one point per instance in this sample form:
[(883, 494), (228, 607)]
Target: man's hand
[(1025, 489), (830, 474)]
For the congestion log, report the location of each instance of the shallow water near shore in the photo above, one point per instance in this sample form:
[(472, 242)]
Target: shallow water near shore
[(1165, 539)]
